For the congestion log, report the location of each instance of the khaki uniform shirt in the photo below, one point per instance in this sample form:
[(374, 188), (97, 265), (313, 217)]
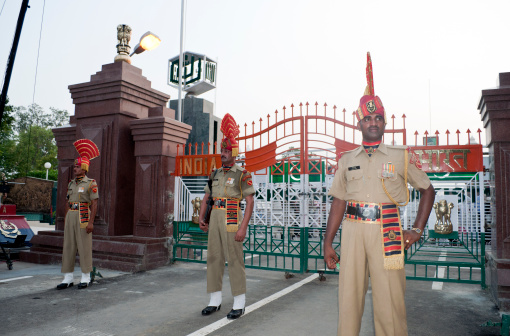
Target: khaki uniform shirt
[(84, 191), (358, 177), (236, 183)]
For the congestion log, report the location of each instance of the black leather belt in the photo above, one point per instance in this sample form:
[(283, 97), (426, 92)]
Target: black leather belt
[(372, 213), (221, 202), (76, 205)]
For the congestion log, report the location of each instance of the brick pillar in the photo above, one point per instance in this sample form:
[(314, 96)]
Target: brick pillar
[(495, 113), (105, 108), (156, 139), (64, 137)]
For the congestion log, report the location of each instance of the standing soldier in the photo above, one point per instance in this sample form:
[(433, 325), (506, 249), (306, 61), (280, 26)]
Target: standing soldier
[(227, 227), (369, 186), (81, 207)]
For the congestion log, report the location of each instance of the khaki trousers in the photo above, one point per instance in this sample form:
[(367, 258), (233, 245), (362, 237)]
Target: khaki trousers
[(222, 247), (361, 257), (76, 239)]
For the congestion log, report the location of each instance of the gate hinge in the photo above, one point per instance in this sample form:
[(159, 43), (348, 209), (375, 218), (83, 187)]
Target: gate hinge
[(504, 324)]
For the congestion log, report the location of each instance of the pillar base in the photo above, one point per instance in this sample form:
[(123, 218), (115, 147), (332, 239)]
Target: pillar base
[(498, 274), (126, 253)]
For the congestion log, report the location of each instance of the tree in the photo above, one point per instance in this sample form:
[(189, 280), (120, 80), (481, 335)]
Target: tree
[(34, 116), (30, 142), (6, 134), (35, 147)]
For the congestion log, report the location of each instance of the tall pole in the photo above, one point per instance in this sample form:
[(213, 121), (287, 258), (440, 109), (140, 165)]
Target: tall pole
[(181, 65), (12, 56)]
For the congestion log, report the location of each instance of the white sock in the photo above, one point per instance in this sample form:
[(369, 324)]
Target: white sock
[(215, 299), (68, 278), (85, 277), (239, 301)]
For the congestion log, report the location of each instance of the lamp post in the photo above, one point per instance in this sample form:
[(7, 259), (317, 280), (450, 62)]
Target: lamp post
[(47, 165), (148, 41)]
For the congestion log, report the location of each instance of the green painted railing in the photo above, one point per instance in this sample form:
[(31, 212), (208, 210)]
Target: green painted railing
[(459, 260), (272, 248), (300, 250)]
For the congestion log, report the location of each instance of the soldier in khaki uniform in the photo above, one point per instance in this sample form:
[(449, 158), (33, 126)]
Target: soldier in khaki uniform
[(369, 185), (227, 227), (81, 208)]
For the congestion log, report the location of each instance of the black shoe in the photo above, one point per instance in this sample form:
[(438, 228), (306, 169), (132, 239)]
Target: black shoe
[(210, 309), (235, 314), (64, 285), (82, 285)]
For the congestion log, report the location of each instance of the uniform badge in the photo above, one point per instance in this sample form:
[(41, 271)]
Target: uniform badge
[(370, 106), (414, 159), (392, 235), (249, 182), (370, 150), (230, 181), (388, 170), (81, 189)]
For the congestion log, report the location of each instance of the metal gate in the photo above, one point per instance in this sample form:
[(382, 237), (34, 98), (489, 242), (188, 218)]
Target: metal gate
[(293, 162)]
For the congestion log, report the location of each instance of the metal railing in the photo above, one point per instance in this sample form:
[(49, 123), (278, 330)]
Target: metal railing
[(300, 250)]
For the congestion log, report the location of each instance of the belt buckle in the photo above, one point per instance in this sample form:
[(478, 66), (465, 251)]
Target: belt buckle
[(367, 213)]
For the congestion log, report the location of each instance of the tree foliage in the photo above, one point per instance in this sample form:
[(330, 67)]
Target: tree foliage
[(6, 136), (34, 116), (29, 142)]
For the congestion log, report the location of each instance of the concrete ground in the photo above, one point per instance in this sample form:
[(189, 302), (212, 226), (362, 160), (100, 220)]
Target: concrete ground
[(168, 301)]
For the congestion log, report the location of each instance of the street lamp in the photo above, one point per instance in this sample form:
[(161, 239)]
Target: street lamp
[(47, 165), (148, 41)]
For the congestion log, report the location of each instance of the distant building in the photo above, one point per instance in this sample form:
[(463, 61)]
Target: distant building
[(198, 113)]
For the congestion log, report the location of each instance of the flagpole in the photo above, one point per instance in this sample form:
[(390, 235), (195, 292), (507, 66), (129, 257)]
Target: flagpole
[(181, 66)]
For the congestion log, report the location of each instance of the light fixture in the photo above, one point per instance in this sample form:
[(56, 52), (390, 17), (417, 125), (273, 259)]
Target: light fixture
[(47, 165), (148, 41)]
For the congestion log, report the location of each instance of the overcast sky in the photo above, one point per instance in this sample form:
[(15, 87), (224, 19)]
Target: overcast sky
[(431, 59)]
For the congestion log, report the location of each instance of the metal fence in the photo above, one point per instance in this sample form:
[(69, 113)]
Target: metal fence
[(287, 228)]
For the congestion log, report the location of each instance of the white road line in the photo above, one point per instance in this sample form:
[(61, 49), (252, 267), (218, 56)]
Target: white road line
[(436, 285), (19, 278), (224, 321)]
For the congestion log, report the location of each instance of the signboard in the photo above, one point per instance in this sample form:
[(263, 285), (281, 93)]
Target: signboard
[(460, 158), (199, 73), (434, 159), (197, 165)]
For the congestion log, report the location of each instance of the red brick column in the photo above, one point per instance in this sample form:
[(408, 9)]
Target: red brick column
[(156, 139), (495, 113), (115, 106)]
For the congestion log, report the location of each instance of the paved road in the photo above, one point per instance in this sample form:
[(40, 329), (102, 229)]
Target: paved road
[(168, 301)]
